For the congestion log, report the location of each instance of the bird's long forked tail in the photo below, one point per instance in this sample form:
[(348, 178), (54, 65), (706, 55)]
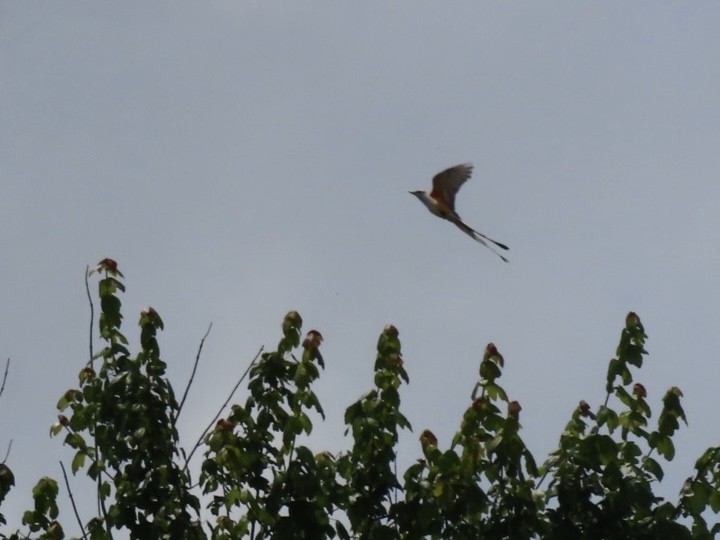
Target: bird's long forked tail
[(479, 237)]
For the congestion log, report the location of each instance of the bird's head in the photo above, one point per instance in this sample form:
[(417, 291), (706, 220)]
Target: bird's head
[(423, 196), (429, 202)]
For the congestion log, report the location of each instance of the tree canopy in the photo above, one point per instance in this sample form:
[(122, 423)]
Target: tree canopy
[(259, 481)]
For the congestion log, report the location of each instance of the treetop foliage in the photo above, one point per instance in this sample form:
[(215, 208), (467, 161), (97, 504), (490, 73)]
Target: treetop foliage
[(259, 480)]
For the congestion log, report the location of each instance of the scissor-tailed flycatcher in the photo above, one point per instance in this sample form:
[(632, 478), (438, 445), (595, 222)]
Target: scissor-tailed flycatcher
[(441, 202)]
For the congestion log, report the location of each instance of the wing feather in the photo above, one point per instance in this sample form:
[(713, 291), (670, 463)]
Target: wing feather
[(447, 183)]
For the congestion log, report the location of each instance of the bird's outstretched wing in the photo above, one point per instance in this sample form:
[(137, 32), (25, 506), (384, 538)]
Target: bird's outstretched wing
[(447, 183)]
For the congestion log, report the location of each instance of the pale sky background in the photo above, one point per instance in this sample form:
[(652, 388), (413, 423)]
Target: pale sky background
[(240, 159)]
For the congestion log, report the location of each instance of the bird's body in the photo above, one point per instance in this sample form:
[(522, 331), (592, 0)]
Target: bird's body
[(441, 202)]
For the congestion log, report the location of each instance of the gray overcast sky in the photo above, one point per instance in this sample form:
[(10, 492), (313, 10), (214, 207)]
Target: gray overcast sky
[(240, 159)]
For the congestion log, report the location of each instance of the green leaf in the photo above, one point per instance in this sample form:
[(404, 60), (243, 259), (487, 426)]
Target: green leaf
[(489, 370), (495, 392), (668, 424), (630, 451), (302, 377), (305, 423), (710, 456), (617, 368), (664, 445), (607, 449), (714, 500), (75, 440), (78, 461), (623, 396), (653, 467), (698, 498), (448, 460), (28, 518), (105, 490), (633, 355), (632, 421), (530, 465), (605, 415), (304, 455), (293, 428)]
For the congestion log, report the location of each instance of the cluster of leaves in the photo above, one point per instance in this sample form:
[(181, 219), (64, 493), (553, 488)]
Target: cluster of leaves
[(121, 423), (602, 476), (261, 481), (264, 484), (7, 479)]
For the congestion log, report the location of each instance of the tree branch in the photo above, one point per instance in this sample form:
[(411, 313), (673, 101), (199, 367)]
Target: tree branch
[(212, 422), (7, 368), (7, 454), (192, 375), (72, 501), (92, 313), (2, 389)]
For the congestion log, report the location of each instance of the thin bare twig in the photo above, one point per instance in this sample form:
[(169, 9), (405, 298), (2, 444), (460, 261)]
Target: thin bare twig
[(72, 500), (192, 375), (212, 422), (2, 389), (7, 454), (92, 313), (7, 368)]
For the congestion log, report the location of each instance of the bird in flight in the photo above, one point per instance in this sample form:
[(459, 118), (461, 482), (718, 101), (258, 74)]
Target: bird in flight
[(441, 202)]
